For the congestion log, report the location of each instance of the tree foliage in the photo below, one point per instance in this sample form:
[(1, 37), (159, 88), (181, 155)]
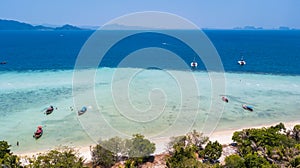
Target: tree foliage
[(116, 145), (57, 158), (296, 132), (268, 146), (6, 157), (213, 151), (196, 138), (183, 157), (252, 140), (253, 160), (108, 152), (192, 139), (183, 150), (140, 147), (295, 162), (234, 161), (102, 157), (176, 141), (4, 149)]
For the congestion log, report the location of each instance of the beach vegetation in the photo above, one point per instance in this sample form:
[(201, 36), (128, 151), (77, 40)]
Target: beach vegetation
[(295, 162), (102, 157), (7, 159), (176, 140), (192, 139), (140, 147), (139, 150), (234, 160), (134, 151), (273, 146), (130, 164), (186, 157), (4, 148), (117, 146), (60, 157), (196, 139), (254, 160), (183, 157), (186, 150), (212, 151), (296, 132)]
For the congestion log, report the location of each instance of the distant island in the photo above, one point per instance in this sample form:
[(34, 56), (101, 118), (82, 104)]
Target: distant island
[(15, 25), (261, 28)]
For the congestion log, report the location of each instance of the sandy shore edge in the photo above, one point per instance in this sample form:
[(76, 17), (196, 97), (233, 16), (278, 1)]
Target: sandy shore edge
[(223, 137)]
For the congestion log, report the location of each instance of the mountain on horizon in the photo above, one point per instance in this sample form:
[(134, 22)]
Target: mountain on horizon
[(15, 25)]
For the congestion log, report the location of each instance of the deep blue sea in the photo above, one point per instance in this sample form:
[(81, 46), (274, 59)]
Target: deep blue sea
[(265, 51)]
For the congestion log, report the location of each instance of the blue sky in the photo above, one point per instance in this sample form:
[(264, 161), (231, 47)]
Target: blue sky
[(205, 14)]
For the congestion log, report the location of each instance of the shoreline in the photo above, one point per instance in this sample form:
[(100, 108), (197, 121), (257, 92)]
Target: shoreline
[(223, 137)]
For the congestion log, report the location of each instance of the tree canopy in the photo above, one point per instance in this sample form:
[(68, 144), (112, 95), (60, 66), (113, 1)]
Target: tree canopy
[(213, 151), (6, 157), (57, 158), (108, 152), (274, 146), (102, 157), (140, 147)]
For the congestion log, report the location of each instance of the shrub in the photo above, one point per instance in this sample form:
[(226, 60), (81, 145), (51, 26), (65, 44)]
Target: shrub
[(57, 158), (140, 147), (234, 161), (213, 151), (102, 157), (7, 159)]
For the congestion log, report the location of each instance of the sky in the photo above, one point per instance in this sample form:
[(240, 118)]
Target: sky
[(204, 13)]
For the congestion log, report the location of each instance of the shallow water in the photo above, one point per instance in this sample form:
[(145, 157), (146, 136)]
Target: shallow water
[(125, 101)]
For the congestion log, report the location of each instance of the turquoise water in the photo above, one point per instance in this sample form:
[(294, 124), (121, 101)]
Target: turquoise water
[(155, 103)]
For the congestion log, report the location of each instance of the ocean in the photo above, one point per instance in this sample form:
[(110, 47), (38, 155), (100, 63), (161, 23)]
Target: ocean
[(124, 99)]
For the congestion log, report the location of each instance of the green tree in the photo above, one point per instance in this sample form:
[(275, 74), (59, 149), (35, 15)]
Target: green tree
[(130, 164), (192, 139), (183, 157), (274, 145), (253, 160), (4, 149), (6, 157), (295, 162), (140, 147), (102, 157), (196, 138), (234, 161), (117, 146), (254, 140), (139, 150), (179, 140), (213, 151), (57, 158), (296, 132)]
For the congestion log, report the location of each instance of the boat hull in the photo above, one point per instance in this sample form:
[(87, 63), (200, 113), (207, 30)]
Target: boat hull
[(82, 111), (37, 136), (247, 108)]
